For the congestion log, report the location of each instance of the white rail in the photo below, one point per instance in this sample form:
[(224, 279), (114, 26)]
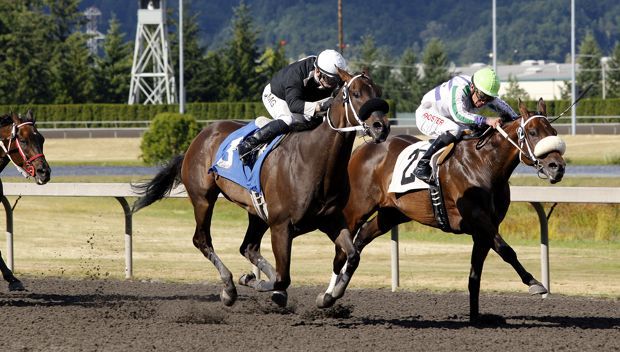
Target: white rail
[(120, 191)]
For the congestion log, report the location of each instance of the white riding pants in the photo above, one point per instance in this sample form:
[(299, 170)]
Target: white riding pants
[(432, 123)]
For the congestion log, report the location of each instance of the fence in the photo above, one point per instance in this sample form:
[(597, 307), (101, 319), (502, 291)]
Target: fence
[(120, 191)]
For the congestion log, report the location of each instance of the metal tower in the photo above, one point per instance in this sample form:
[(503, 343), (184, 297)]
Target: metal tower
[(152, 77), (94, 36)]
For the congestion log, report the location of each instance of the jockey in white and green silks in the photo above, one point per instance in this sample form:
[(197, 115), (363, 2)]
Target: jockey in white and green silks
[(449, 108)]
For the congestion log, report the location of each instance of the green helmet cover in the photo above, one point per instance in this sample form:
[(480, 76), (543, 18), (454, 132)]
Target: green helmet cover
[(486, 80)]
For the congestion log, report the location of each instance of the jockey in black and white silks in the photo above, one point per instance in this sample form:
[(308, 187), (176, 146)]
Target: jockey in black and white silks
[(448, 108), (294, 95)]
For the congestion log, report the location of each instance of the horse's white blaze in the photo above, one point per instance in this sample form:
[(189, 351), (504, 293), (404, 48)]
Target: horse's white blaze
[(549, 144)]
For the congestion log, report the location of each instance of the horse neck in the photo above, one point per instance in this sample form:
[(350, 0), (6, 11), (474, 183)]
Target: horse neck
[(494, 162)]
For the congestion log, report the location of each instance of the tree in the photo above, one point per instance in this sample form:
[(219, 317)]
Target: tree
[(72, 71), (589, 65), (435, 65), (113, 69), (25, 54), (271, 62), (613, 73), (514, 91), (407, 90), (241, 57), (66, 18)]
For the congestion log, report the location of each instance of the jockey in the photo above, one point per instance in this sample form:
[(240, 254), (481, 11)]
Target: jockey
[(449, 108), (294, 95)]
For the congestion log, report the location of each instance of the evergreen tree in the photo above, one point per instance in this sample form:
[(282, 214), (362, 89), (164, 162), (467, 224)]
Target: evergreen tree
[(213, 88), (66, 18), (271, 62), (72, 70), (25, 53), (613, 74), (113, 69), (514, 91), (407, 92), (590, 66), (435, 66), (241, 57)]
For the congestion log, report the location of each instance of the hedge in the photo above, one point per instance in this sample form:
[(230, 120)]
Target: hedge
[(245, 110)]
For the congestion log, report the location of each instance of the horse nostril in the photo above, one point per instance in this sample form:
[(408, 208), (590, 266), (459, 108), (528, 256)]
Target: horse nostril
[(377, 125)]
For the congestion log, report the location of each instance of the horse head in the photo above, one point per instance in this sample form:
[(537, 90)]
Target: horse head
[(358, 106), (23, 145), (540, 145)]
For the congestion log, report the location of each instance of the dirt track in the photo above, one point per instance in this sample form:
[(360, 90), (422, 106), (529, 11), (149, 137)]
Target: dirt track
[(64, 315)]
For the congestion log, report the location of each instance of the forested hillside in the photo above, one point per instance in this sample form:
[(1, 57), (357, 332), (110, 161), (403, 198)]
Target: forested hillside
[(528, 29)]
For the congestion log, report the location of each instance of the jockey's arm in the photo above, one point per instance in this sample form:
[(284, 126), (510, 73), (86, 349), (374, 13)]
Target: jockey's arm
[(503, 109), (459, 97)]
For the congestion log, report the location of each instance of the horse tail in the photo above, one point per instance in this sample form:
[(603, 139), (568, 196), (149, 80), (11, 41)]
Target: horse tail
[(160, 186)]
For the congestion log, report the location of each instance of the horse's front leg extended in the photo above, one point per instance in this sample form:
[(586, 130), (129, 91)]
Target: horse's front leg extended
[(510, 256), (7, 274)]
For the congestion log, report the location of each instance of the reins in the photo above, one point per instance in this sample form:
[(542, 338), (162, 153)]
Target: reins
[(28, 170), (347, 102), (548, 144)]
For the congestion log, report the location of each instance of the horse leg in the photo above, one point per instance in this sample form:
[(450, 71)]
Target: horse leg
[(7, 274), (478, 255), (281, 245), (510, 256), (336, 229), (203, 211), (250, 249)]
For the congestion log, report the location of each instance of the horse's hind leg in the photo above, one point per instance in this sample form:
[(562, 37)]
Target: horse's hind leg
[(203, 211), (7, 274), (250, 248), (510, 256)]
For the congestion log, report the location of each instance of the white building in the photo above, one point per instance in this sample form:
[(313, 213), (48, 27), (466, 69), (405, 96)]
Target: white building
[(539, 78)]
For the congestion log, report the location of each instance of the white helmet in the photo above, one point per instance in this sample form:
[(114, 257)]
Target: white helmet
[(328, 60)]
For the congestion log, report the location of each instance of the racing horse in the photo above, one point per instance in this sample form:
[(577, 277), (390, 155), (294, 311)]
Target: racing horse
[(304, 181), (21, 144), (475, 190)]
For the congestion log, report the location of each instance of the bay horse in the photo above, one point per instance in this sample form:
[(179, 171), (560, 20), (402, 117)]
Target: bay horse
[(475, 190), (304, 181), (21, 144)]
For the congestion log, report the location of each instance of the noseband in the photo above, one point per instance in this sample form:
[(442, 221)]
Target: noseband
[(347, 103), (544, 146), (28, 170)]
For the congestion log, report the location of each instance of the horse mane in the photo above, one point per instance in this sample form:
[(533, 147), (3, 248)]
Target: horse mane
[(6, 119)]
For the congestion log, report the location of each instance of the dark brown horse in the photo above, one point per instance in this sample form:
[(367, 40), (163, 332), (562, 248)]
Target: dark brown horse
[(304, 181), (23, 145), (475, 190)]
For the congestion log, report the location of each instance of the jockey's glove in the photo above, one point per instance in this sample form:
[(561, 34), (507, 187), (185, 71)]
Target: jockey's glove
[(325, 104)]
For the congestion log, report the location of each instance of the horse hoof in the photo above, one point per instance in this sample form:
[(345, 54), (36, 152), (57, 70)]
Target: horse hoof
[(325, 300), (245, 279), (538, 289), (16, 286), (280, 298), (228, 296)]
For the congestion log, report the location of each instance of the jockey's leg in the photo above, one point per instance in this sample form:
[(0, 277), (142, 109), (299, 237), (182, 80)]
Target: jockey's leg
[(262, 135), (423, 170)]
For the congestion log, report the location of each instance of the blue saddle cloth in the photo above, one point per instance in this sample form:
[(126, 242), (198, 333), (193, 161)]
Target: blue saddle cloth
[(228, 165)]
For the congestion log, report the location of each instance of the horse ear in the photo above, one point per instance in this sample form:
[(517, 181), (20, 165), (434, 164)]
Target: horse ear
[(30, 115), (344, 75), (541, 107), (523, 109)]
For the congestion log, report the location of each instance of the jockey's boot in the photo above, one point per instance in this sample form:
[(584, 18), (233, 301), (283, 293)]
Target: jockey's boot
[(247, 148), (423, 170)]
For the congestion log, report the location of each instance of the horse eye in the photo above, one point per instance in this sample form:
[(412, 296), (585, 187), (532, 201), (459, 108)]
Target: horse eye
[(356, 94), (532, 133)]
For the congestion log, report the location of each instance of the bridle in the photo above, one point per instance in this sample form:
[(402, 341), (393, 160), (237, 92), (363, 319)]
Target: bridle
[(544, 146), (28, 170), (346, 101)]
